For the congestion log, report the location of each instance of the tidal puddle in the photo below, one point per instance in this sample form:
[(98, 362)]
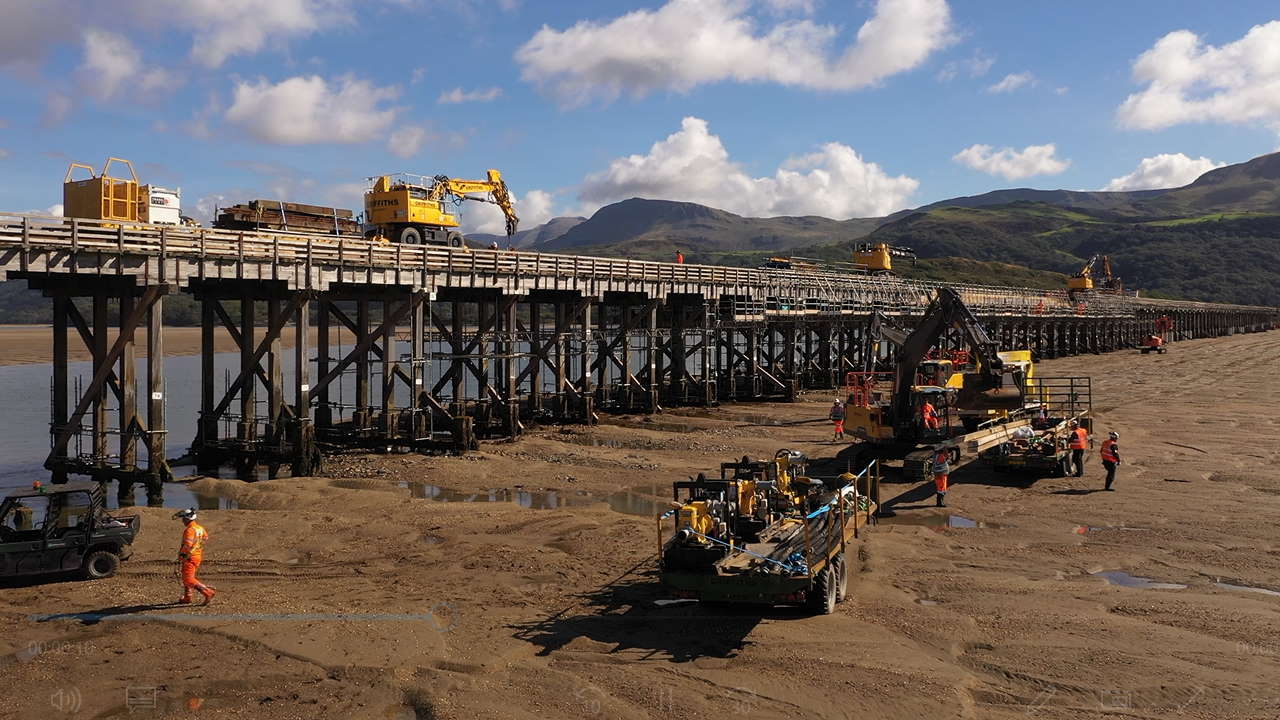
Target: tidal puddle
[(940, 521), (1246, 588), (1116, 577)]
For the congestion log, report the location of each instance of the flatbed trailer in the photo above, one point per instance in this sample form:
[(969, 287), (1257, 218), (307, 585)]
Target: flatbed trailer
[(1044, 447), (798, 560)]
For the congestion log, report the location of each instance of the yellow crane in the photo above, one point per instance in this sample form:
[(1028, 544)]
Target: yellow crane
[(1084, 280), (415, 209)]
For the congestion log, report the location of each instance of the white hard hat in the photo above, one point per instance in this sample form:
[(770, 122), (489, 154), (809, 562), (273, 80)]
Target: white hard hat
[(1114, 435), (186, 514)]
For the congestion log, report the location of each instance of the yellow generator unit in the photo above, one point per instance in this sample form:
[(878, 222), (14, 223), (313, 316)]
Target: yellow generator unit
[(695, 516), (102, 197)]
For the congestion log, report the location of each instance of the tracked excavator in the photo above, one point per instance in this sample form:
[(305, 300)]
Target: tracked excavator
[(1095, 275), (416, 209), (878, 257), (885, 408)]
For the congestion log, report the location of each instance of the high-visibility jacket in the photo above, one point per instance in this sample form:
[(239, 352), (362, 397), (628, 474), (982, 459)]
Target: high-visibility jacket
[(1079, 439), (193, 539), (927, 411), (1109, 451), (941, 466)]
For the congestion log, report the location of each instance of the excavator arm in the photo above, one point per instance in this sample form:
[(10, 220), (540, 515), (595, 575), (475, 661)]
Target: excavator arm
[(982, 388), (494, 188), (1087, 270)]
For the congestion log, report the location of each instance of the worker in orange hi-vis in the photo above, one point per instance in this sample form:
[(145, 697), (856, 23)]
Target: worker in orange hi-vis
[(941, 475), (1078, 442), (929, 415), (679, 258), (190, 555)]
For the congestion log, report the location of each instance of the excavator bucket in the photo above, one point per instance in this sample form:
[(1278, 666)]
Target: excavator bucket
[(979, 393)]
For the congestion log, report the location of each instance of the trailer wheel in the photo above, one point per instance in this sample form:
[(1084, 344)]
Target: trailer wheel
[(821, 598), (410, 236), (842, 585), (99, 565)]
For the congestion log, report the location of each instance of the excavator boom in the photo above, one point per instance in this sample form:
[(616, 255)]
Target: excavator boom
[(982, 390)]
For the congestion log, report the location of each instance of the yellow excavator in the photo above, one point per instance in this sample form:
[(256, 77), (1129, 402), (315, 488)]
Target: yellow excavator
[(878, 257), (415, 209), (1089, 275)]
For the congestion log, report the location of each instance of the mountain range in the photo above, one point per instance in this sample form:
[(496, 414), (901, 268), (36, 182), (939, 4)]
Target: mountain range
[(1216, 239)]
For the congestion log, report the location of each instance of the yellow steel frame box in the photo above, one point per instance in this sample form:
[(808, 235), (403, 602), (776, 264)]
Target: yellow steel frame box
[(101, 197)]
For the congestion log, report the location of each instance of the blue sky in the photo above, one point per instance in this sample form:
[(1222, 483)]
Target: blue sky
[(765, 107)]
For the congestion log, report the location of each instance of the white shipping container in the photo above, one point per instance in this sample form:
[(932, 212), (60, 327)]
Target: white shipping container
[(162, 206)]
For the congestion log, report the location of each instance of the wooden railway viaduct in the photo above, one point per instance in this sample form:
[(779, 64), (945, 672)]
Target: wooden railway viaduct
[(444, 346)]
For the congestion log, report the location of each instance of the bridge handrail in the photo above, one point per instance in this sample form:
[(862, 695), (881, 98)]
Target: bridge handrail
[(81, 235)]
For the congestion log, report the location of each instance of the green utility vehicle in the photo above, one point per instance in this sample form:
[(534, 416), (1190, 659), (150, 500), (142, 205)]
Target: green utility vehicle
[(63, 528)]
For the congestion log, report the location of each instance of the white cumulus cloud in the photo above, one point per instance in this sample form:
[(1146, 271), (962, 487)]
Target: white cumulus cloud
[(1013, 164), (406, 141), (1166, 170), (1012, 82), (223, 28), (533, 208), (458, 95), (687, 43), (113, 66), (693, 165), (305, 110), (1188, 81)]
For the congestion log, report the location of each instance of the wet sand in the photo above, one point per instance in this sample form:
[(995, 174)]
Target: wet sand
[(348, 597), (33, 344)]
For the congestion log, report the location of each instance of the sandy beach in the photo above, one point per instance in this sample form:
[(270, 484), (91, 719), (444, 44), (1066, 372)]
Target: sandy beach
[(354, 595), (33, 344)]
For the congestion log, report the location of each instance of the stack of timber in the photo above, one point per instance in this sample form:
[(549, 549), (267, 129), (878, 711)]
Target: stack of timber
[(276, 215)]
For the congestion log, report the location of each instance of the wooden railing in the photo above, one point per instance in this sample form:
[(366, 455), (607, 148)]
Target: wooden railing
[(38, 232)]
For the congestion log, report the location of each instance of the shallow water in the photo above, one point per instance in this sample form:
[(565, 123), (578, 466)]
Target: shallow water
[(938, 521), (1124, 579)]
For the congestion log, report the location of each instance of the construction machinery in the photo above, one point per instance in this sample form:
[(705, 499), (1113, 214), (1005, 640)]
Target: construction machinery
[(764, 532), (884, 409), (65, 528), (877, 258), (1095, 275), (416, 209), (1158, 342)]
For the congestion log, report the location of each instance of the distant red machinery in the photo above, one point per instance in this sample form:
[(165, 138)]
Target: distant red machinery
[(1158, 342)]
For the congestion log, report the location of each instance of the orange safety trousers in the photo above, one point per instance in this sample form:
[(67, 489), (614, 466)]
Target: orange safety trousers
[(189, 581), (940, 482)]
